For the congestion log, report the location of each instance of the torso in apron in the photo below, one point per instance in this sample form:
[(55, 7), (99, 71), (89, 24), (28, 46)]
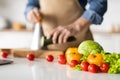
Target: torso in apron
[(61, 12)]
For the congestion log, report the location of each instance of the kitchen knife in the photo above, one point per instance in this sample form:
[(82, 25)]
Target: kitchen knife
[(37, 34)]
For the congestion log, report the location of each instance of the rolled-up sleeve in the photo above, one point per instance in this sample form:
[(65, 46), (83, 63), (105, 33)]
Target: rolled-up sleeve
[(96, 11), (30, 5)]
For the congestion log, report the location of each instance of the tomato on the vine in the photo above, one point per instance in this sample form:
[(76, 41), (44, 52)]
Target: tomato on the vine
[(84, 65), (104, 67), (73, 63), (49, 58), (62, 59)]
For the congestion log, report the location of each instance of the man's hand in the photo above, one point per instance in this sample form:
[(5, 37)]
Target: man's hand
[(34, 15), (62, 33)]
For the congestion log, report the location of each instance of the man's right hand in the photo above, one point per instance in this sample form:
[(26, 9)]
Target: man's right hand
[(34, 15)]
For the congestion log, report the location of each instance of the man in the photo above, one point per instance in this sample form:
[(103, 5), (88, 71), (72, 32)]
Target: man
[(65, 18)]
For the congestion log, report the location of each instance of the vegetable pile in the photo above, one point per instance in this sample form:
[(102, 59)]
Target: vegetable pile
[(94, 59), (88, 56)]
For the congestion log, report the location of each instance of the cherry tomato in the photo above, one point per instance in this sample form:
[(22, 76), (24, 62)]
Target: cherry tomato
[(84, 65), (49, 58), (62, 59), (93, 68), (73, 63), (30, 57), (104, 67), (4, 54)]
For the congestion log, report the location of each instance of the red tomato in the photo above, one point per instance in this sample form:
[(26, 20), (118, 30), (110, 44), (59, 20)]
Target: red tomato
[(104, 67), (93, 68), (49, 58), (73, 63), (4, 54), (62, 59), (30, 57), (84, 66)]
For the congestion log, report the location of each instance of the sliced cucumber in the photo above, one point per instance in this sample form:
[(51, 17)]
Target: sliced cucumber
[(45, 41)]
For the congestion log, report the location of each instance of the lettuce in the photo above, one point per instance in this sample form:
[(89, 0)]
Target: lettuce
[(114, 61), (77, 67), (89, 47)]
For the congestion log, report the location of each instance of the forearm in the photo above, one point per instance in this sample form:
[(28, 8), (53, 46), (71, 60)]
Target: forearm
[(82, 23)]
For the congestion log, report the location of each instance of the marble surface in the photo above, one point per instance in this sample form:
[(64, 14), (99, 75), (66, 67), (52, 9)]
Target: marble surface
[(40, 69)]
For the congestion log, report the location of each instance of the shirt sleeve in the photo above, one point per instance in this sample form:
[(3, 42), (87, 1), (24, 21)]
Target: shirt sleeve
[(30, 5), (96, 11)]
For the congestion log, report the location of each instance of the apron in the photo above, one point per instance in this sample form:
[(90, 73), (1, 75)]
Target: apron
[(62, 12)]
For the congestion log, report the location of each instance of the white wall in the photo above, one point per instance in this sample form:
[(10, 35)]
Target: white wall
[(111, 17), (13, 9)]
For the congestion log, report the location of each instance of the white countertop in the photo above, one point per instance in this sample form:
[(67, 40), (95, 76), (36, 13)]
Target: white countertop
[(40, 69)]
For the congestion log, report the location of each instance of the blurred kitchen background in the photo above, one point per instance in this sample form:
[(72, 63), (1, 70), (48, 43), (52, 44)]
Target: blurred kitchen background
[(16, 32)]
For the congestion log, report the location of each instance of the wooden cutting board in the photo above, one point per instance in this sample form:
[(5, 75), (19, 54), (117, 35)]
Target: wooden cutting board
[(37, 53)]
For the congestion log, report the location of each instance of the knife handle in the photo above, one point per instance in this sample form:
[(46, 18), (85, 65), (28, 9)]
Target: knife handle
[(39, 19), (45, 41)]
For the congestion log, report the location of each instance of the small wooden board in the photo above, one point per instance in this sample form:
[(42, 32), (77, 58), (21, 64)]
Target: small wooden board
[(37, 53)]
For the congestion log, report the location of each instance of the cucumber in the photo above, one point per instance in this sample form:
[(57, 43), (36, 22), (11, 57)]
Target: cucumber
[(45, 41)]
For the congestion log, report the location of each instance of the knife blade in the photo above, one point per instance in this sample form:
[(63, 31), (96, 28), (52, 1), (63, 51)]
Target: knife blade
[(37, 34)]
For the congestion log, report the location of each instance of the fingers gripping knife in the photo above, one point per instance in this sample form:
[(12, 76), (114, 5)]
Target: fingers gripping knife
[(37, 34), (39, 40)]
